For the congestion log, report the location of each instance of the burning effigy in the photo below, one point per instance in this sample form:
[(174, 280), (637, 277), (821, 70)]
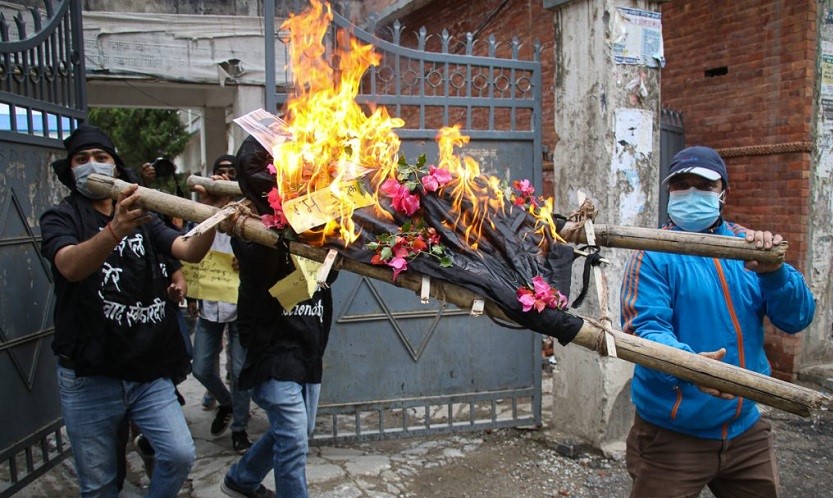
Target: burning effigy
[(328, 176), (338, 180)]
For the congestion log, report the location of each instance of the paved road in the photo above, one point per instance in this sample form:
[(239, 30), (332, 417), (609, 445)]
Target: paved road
[(377, 469)]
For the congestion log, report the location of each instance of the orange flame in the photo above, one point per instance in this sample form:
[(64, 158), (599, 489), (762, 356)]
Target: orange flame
[(334, 141)]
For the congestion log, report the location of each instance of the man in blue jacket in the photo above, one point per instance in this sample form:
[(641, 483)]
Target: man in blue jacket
[(686, 437)]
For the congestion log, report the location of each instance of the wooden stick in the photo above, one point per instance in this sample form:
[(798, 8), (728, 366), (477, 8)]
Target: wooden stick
[(649, 239), (697, 244), (223, 188), (686, 366), (601, 285)]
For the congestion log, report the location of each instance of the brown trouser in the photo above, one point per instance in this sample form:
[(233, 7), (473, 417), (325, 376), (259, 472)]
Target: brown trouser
[(664, 463)]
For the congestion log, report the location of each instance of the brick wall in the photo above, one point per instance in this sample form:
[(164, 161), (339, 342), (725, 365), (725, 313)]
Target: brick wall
[(742, 73), (525, 19)]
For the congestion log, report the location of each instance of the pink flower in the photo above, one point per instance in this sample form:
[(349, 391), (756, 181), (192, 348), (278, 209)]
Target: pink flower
[(271, 169), (408, 203), (278, 220), (270, 221), (399, 264), (274, 198), (540, 287), (430, 183), (402, 199), (391, 187), (526, 298), (436, 178), (523, 185), (540, 296), (442, 175), (400, 249)]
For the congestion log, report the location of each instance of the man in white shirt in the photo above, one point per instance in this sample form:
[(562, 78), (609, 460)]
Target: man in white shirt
[(214, 318)]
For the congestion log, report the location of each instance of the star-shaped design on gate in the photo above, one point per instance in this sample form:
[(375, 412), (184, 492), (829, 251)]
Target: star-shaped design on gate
[(422, 323), (26, 323)]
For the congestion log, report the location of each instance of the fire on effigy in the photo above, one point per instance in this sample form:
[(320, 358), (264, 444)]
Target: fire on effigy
[(331, 178)]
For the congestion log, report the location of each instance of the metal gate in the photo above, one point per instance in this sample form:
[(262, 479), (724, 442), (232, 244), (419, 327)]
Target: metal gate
[(671, 141), (396, 367), (41, 100)]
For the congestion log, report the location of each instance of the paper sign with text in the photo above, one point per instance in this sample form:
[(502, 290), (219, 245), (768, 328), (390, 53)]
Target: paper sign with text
[(321, 206), (299, 285), (213, 278)]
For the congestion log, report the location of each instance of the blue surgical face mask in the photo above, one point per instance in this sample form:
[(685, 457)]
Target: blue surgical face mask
[(82, 171), (694, 210)]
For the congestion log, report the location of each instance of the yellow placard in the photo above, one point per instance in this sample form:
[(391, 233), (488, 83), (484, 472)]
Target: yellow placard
[(299, 285), (321, 206), (213, 278)]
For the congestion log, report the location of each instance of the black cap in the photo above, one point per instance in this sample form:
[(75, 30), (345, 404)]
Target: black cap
[(701, 161), (225, 158)]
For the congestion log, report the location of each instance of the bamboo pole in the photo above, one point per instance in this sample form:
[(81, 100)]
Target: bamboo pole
[(649, 239), (686, 366), (697, 244), (217, 187)]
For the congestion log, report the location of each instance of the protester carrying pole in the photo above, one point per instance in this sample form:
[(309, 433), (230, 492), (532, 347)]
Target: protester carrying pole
[(687, 437), (116, 333), (284, 350)]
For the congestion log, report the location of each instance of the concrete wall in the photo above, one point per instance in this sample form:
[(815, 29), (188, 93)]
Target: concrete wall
[(207, 7), (817, 346), (594, 96)]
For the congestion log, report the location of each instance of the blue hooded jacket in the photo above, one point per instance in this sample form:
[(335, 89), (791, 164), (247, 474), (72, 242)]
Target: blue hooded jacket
[(701, 304)]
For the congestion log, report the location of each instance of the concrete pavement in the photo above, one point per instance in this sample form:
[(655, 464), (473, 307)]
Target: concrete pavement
[(378, 469)]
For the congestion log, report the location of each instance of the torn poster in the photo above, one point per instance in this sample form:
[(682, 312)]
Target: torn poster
[(638, 37)]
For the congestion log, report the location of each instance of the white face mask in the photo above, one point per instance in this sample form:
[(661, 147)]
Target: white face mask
[(82, 171)]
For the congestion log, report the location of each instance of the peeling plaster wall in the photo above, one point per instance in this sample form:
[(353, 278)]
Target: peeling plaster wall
[(607, 121), (817, 346)]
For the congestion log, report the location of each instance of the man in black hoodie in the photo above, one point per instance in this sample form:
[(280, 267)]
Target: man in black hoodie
[(284, 351), (116, 333)]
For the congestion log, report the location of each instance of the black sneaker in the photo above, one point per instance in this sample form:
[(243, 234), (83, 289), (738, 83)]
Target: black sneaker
[(231, 489), (222, 421), (240, 442), (146, 452)]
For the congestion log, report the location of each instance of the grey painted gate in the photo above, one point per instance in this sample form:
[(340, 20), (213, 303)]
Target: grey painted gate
[(396, 367), (41, 100)]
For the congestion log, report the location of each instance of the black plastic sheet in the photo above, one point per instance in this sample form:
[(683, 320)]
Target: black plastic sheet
[(509, 254)]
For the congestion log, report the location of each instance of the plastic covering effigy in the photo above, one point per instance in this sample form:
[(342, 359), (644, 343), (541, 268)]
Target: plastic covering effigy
[(509, 254)]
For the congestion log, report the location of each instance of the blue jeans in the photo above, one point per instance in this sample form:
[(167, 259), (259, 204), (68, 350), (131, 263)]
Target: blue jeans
[(93, 408), (208, 342), (291, 409)]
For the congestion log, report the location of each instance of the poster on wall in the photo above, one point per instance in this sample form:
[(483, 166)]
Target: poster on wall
[(827, 109), (638, 37), (827, 75)]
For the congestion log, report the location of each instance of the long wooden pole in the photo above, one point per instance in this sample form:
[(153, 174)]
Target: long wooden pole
[(686, 366), (696, 244), (649, 239)]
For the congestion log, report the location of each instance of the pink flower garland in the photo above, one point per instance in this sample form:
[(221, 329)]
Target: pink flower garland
[(541, 296)]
